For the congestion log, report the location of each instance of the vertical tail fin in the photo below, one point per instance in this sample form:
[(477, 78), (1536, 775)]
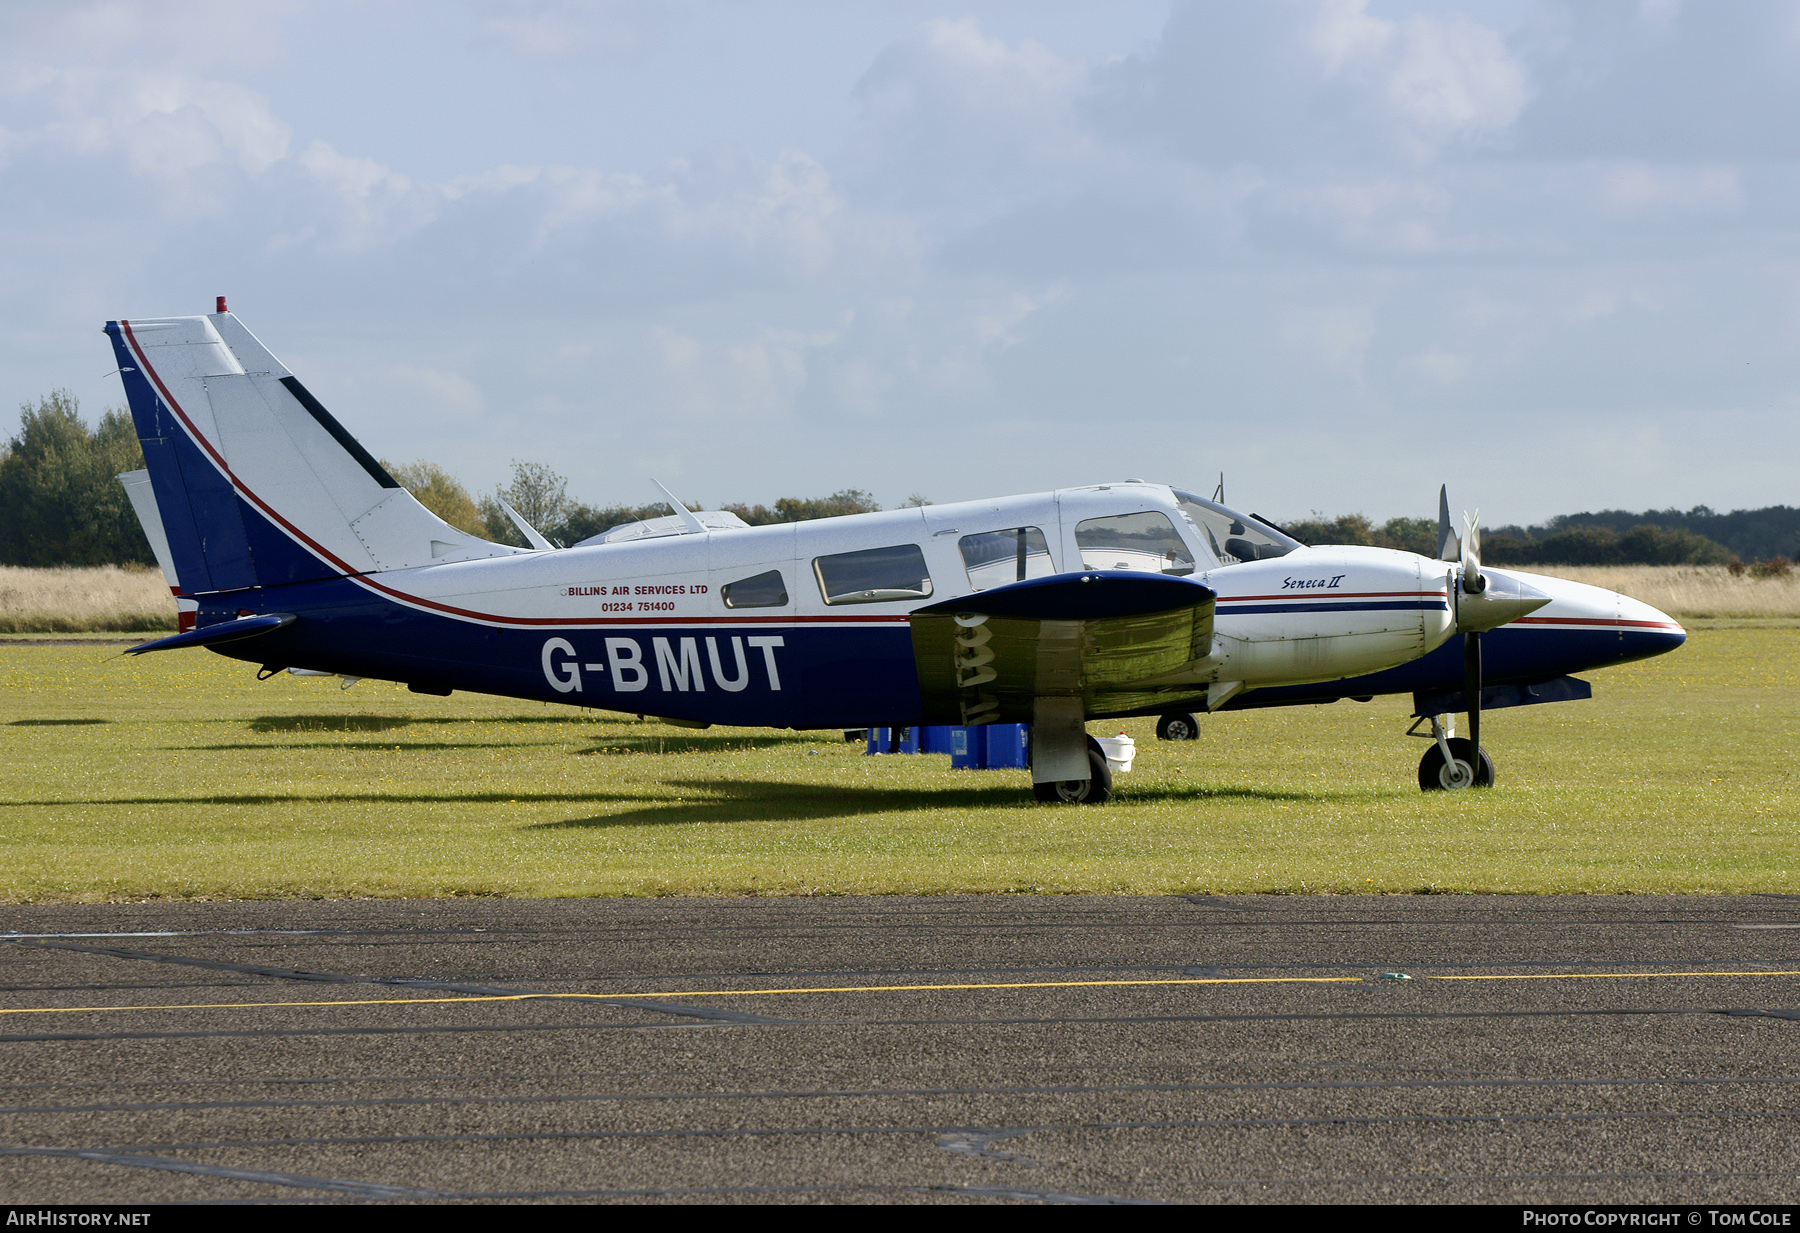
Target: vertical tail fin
[(254, 481)]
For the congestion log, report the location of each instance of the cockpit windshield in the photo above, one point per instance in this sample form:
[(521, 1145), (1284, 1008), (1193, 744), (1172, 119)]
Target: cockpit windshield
[(1232, 536)]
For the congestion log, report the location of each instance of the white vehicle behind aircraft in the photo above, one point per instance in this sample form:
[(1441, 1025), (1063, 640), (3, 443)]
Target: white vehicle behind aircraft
[(298, 551)]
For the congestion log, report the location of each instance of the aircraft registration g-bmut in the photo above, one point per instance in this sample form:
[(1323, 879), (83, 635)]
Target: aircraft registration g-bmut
[(290, 547)]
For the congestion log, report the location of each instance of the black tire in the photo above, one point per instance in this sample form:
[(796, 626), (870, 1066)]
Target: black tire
[(1178, 726), (1096, 789), (1433, 775)]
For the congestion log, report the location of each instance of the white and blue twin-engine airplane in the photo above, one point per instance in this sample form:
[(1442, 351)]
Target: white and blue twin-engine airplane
[(292, 548)]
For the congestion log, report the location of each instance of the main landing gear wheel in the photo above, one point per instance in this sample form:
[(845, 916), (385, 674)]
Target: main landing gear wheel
[(1178, 726), (1096, 789), (1435, 774)]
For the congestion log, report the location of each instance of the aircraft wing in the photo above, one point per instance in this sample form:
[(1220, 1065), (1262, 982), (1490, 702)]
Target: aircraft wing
[(1112, 638)]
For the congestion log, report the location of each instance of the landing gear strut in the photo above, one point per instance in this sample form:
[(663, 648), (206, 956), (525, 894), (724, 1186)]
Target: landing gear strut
[(1096, 789), (1453, 762), (1067, 765)]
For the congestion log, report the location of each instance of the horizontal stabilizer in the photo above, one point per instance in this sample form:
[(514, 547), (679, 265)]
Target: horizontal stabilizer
[(1118, 640), (224, 631)]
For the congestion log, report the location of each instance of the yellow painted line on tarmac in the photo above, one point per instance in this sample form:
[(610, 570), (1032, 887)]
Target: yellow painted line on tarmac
[(1032, 984), (743, 993), (1605, 975), (694, 993), (69, 1010)]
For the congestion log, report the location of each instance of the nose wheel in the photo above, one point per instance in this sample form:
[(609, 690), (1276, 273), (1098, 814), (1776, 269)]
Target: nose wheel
[(1464, 767), (1178, 726)]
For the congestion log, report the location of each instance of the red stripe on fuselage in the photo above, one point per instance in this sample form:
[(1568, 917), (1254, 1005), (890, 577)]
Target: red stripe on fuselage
[(1609, 622), (1312, 595)]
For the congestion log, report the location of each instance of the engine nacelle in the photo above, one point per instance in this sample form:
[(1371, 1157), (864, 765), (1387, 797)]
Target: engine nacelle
[(1321, 614)]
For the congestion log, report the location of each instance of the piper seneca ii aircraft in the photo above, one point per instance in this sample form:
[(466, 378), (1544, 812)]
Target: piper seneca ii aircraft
[(290, 547)]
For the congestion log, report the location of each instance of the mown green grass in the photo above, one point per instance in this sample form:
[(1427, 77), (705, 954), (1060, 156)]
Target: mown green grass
[(179, 776)]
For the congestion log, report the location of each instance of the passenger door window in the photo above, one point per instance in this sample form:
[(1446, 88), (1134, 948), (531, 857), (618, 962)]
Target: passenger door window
[(993, 558), (1145, 541), (873, 576)]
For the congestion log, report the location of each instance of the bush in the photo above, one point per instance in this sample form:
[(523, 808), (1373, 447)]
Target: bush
[(60, 500), (1569, 544), (441, 493), (1595, 545), (1405, 534), (804, 509)]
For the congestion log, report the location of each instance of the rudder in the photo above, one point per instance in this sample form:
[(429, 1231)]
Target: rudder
[(256, 483)]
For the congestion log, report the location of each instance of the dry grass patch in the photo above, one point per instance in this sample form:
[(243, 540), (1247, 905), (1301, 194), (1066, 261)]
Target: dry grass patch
[(85, 599), (1690, 590)]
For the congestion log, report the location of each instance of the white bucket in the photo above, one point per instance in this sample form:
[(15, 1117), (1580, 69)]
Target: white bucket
[(1119, 751)]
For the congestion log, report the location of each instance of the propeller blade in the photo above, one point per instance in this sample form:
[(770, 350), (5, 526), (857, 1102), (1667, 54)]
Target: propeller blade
[(1474, 581), (1449, 548), (1472, 688)]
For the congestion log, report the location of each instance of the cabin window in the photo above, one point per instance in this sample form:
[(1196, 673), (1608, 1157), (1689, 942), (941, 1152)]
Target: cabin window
[(1145, 541), (873, 576), (760, 591), (997, 557), (1232, 536)]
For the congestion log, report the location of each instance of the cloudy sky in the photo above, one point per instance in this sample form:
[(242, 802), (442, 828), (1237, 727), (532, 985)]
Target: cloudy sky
[(1340, 250)]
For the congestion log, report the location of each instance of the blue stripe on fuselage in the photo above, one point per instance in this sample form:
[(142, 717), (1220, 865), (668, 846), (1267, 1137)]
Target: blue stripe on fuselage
[(831, 675), (1373, 606), (1510, 655)]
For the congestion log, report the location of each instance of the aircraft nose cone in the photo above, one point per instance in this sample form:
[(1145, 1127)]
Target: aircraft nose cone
[(1585, 627), (1645, 631)]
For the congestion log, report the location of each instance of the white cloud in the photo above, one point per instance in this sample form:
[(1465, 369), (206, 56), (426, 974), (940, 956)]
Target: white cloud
[(198, 36), (349, 176), (954, 111), (453, 393), (174, 130), (358, 203), (1451, 78), (560, 30), (734, 379), (1634, 187), (1322, 218), (1435, 367), (786, 214)]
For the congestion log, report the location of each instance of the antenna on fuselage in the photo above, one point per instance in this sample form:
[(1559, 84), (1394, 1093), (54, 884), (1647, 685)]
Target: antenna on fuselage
[(1449, 545), (694, 525), (1219, 492), (532, 535)]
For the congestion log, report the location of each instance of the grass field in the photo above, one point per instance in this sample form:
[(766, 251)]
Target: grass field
[(179, 776)]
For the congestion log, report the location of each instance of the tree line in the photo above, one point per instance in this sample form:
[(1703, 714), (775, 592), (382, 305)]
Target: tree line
[(61, 502), (1572, 539), (541, 496), (61, 505)]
